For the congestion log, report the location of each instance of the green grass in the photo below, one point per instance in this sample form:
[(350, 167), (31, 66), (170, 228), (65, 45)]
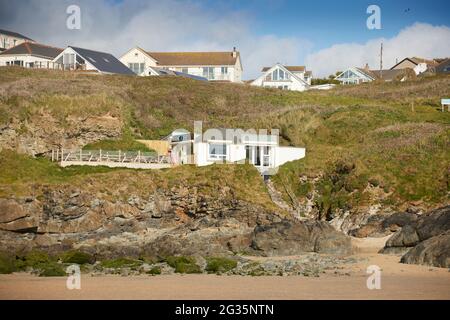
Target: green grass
[(391, 132)]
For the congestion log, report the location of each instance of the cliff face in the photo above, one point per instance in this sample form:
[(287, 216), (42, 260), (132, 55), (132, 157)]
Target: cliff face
[(161, 223), (45, 132)]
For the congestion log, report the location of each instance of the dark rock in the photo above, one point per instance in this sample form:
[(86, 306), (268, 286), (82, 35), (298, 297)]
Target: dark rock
[(292, 237), (427, 237), (434, 251)]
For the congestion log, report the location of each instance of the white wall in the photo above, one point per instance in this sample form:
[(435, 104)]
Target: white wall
[(286, 154), (7, 42), (25, 58), (136, 55)]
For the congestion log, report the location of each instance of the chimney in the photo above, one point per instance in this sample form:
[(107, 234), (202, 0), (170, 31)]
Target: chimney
[(366, 67), (234, 54)]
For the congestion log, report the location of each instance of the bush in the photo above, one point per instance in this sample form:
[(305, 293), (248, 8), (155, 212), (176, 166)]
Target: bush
[(6, 263), (77, 257), (154, 271), (121, 263), (51, 269), (183, 264), (35, 258), (220, 265)]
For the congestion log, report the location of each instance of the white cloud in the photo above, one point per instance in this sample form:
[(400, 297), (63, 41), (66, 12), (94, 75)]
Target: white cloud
[(172, 25), (421, 40)]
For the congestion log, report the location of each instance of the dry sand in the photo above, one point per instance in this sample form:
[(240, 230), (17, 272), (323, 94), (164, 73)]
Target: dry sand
[(398, 281)]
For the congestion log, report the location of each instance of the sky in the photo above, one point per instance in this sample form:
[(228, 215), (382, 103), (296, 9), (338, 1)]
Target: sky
[(324, 35)]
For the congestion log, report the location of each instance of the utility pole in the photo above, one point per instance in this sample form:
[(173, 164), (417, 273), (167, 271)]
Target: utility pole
[(381, 61)]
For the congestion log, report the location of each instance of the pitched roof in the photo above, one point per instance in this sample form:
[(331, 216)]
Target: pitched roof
[(416, 61), (290, 68), (14, 34), (366, 72), (104, 62), (387, 75), (33, 48), (194, 58)]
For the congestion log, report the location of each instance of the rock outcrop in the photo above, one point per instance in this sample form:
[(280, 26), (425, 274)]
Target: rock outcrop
[(176, 221), (426, 239)]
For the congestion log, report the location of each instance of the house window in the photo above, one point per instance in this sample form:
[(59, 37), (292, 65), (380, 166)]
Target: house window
[(208, 72), (69, 59), (224, 70), (137, 68), (275, 75), (217, 151), (266, 156)]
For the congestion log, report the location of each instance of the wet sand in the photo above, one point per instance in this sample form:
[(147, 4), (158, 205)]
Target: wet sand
[(398, 281)]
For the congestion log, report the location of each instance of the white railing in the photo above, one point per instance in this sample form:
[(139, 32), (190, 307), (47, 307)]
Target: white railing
[(213, 76), (130, 159)]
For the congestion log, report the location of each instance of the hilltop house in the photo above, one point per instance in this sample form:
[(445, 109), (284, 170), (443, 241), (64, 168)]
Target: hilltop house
[(355, 75), (78, 59), (214, 66), (419, 65), (231, 146), (30, 55), (9, 39), (284, 77)]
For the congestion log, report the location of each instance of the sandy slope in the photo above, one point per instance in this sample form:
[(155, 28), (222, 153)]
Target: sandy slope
[(398, 281)]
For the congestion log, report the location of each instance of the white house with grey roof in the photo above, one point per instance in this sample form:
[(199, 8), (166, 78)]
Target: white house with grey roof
[(30, 55), (79, 59), (9, 39), (294, 78), (214, 66), (260, 149)]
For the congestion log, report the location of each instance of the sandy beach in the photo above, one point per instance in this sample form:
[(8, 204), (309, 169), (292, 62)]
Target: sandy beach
[(398, 281)]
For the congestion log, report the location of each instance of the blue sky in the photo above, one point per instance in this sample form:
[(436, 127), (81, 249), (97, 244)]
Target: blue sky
[(328, 22), (324, 35)]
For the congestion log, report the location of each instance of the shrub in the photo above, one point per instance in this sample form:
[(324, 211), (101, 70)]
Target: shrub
[(154, 271), (6, 263), (51, 269), (35, 258), (77, 257), (220, 265), (183, 264)]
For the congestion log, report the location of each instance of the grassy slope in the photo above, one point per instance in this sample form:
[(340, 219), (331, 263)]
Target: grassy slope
[(392, 134)]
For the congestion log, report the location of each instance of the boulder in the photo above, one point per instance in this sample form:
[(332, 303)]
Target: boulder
[(427, 239), (434, 251), (294, 237)]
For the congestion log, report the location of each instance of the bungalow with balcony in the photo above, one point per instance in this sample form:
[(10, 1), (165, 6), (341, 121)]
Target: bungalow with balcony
[(78, 59), (214, 66), (30, 55), (231, 146), (294, 78), (9, 39)]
